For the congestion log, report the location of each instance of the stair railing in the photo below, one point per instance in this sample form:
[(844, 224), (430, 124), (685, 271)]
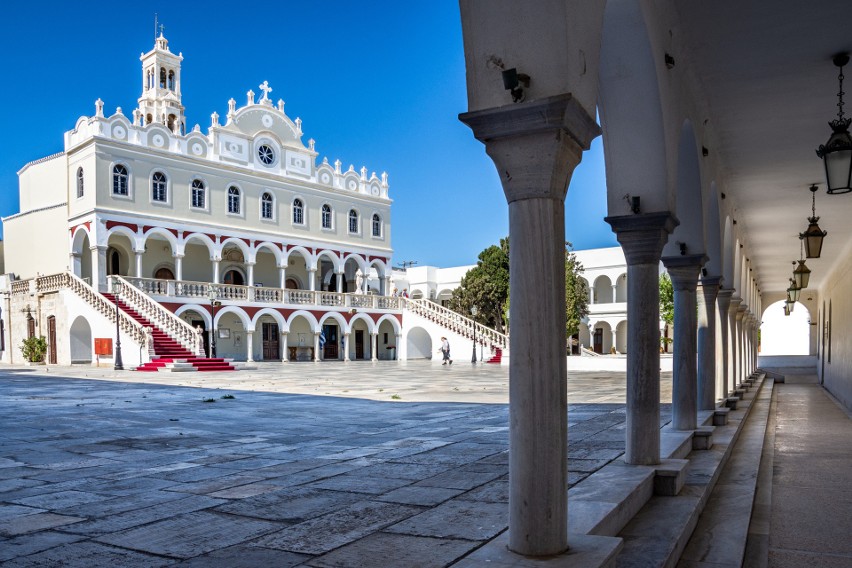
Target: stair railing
[(67, 280), (458, 323), (164, 319)]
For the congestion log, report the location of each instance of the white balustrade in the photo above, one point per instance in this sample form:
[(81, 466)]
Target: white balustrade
[(457, 322)]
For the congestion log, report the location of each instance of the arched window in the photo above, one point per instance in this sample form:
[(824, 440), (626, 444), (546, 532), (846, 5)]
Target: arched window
[(326, 216), (199, 193), (266, 206), (80, 182), (162, 77), (234, 200), (353, 221), (298, 212), (158, 187), (377, 225), (171, 80), (119, 180)]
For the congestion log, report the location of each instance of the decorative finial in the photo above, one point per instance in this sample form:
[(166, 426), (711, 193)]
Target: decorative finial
[(250, 97), (298, 126), (385, 179), (99, 108), (311, 144), (232, 107), (281, 105), (266, 90), (118, 111), (137, 116), (364, 173), (337, 164), (214, 119)]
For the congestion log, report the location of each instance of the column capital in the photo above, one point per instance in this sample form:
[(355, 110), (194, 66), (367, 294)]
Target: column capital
[(249, 331), (643, 236), (734, 305), (711, 282), (534, 145), (684, 270)]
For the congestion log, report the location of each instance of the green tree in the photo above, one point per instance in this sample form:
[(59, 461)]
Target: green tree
[(576, 293), (486, 286), (666, 299)]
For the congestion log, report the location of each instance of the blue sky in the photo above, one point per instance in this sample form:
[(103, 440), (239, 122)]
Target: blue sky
[(376, 84)]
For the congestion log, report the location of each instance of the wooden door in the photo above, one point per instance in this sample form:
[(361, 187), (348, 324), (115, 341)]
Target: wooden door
[(359, 344), (330, 349), (270, 342), (51, 340), (599, 340)]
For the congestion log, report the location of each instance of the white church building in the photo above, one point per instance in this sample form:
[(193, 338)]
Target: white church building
[(240, 231)]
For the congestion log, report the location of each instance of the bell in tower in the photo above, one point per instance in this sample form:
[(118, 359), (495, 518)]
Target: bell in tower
[(160, 100)]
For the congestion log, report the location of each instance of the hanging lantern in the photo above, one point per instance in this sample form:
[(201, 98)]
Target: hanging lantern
[(837, 152), (813, 236), (802, 274), (786, 310), (793, 293), (788, 304)]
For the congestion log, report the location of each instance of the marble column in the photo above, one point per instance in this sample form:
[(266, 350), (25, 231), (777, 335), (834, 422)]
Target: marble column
[(178, 266), (249, 273), (312, 279), (282, 276), (138, 254), (684, 271), (216, 262), (76, 264), (398, 342), (707, 292), (642, 238), (317, 347), (535, 147), (734, 344), (374, 346), (250, 346), (285, 353), (738, 378), (724, 300), (340, 276), (99, 267), (346, 346)]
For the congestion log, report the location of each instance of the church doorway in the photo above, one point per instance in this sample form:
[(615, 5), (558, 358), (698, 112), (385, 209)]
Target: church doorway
[(196, 323), (234, 277), (270, 335), (598, 341), (81, 341), (291, 284), (330, 350), (359, 344), (164, 274)]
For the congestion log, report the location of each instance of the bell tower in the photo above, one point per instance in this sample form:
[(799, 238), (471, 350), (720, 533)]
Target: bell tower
[(160, 100)]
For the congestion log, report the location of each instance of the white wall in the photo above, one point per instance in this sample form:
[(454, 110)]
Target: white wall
[(835, 363), (37, 243)]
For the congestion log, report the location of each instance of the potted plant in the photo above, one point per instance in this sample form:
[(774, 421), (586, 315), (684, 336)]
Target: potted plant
[(34, 349)]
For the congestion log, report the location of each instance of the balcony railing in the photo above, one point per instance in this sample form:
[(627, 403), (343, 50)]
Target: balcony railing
[(205, 291)]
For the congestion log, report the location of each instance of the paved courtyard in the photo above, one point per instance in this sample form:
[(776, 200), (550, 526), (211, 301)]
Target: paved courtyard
[(358, 464)]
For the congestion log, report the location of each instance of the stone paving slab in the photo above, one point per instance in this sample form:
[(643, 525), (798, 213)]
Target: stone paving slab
[(130, 470)]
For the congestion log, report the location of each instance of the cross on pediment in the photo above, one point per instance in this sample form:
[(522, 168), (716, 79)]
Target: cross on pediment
[(266, 90), (162, 28)]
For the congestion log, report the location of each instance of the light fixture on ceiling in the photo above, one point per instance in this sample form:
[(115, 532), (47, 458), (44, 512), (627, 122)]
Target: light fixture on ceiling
[(813, 236), (512, 81), (802, 274), (788, 304), (793, 292), (837, 152)]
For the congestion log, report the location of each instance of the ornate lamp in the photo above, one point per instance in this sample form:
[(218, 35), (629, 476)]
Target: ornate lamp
[(473, 311), (802, 274), (793, 293), (786, 310), (788, 304), (837, 152), (813, 236)]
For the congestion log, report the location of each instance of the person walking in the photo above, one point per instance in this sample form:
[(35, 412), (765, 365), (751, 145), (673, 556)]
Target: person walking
[(445, 349)]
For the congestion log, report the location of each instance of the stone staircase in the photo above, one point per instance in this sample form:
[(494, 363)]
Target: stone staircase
[(455, 322), (169, 355)]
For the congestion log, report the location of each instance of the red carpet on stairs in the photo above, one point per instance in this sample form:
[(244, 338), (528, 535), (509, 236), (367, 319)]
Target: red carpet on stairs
[(167, 350), (497, 357)]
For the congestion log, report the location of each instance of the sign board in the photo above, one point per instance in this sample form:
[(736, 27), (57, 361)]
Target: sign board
[(103, 346)]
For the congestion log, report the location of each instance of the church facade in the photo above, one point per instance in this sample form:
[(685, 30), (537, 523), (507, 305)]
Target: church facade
[(240, 231)]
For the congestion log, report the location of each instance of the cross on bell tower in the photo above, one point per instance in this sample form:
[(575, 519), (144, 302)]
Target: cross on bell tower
[(160, 101)]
